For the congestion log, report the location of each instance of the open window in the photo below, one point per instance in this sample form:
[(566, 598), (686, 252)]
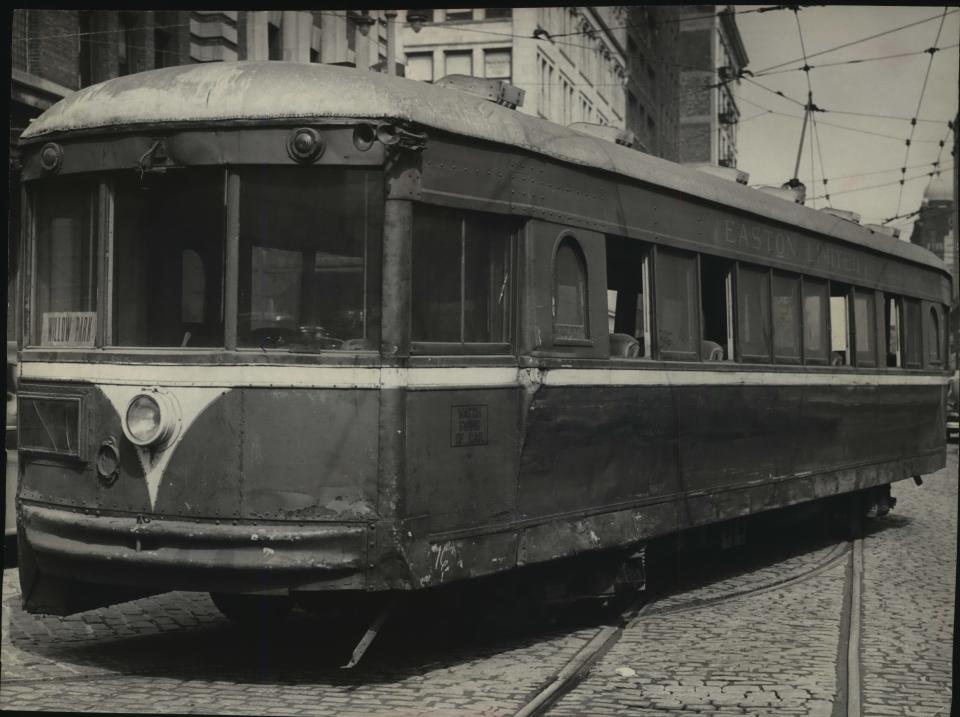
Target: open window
[(753, 313), (461, 292), (816, 321), (570, 309), (786, 318), (716, 307), (893, 320), (865, 326), (840, 328), (628, 298), (678, 305)]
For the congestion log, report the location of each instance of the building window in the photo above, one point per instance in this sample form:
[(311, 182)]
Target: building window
[(678, 308), (164, 54), (786, 318), (865, 327), (457, 14), (497, 64), (570, 292), (65, 273), (458, 63), (87, 40), (498, 13), (461, 289), (815, 321), (127, 47), (420, 66)]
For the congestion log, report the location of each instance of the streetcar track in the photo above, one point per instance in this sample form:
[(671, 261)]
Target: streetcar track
[(578, 667)]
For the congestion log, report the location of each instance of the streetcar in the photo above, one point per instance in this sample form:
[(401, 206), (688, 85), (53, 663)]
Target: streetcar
[(294, 332)]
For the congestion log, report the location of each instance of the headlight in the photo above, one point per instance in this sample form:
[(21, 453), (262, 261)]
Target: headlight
[(152, 418)]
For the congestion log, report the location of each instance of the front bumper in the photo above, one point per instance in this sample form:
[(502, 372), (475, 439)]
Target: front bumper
[(194, 555)]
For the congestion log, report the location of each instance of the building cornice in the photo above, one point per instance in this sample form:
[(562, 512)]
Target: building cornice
[(729, 22), (34, 90)]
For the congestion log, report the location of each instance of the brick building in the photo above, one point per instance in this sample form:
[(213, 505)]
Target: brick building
[(653, 77), (935, 228), (711, 58)]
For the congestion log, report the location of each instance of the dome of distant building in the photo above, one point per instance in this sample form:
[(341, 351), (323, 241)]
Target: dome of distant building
[(940, 189)]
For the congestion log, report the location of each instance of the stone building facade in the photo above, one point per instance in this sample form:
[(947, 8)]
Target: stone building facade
[(570, 61)]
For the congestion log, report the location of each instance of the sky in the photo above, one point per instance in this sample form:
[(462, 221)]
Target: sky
[(767, 143)]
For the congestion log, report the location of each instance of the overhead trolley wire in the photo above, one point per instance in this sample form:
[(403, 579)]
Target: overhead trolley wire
[(857, 42), (913, 121), (890, 184), (858, 61)]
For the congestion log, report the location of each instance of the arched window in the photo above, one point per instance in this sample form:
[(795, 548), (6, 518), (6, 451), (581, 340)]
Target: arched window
[(933, 335), (570, 292)]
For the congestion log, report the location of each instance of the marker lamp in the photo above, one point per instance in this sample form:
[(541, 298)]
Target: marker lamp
[(152, 419)]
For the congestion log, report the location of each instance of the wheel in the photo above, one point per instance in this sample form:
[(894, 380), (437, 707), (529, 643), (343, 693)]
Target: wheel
[(253, 610)]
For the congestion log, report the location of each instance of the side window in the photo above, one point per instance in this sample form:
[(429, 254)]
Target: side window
[(839, 325), (753, 315), (461, 289), (628, 298), (194, 285), (786, 318), (678, 306), (865, 327), (816, 324), (934, 342), (893, 311), (570, 309), (912, 333), (716, 306)]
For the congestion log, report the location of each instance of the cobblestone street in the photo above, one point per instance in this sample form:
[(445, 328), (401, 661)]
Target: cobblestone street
[(766, 638)]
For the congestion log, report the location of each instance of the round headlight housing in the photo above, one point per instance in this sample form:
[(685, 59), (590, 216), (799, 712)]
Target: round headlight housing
[(152, 419)]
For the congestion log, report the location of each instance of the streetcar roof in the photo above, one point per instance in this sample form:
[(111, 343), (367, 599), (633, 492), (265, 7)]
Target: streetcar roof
[(221, 92)]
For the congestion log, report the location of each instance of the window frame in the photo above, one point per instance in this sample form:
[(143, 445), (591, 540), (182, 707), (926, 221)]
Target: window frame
[(785, 359), (810, 281), (471, 348), (868, 357), (570, 238), (933, 318), (740, 343), (672, 355)]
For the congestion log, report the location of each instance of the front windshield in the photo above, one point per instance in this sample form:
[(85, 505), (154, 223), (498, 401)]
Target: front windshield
[(308, 247), (309, 259)]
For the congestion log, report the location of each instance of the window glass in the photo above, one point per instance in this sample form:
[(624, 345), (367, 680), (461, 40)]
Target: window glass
[(933, 335), (815, 337), (168, 260), (570, 292), (677, 304), (912, 332), (496, 64), (459, 14), (786, 317), (839, 325), (498, 13), (461, 277), (420, 66), (65, 278), (753, 294), (309, 258), (865, 326), (458, 63)]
